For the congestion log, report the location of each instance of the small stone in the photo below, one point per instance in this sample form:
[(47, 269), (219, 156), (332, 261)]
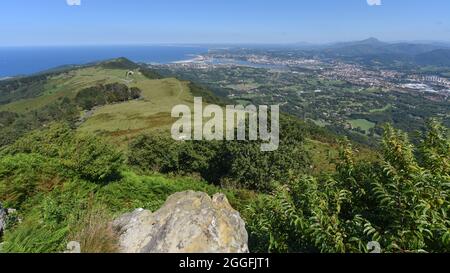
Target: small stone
[(73, 247), (11, 211)]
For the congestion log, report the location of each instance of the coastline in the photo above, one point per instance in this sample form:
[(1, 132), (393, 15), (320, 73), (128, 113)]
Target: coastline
[(196, 59), (36, 59)]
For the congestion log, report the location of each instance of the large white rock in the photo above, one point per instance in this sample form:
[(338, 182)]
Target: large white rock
[(189, 222)]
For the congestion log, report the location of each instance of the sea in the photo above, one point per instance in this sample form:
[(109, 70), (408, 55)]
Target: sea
[(15, 61)]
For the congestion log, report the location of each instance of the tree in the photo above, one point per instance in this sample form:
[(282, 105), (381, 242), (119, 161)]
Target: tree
[(435, 149)]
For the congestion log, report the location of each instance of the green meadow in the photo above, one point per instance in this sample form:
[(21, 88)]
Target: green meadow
[(362, 124)]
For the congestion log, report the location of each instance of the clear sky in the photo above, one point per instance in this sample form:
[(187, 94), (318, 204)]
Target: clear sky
[(55, 22)]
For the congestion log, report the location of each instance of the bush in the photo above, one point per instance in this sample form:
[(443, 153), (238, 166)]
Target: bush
[(87, 156), (23, 176), (47, 142), (154, 152), (244, 163), (93, 159)]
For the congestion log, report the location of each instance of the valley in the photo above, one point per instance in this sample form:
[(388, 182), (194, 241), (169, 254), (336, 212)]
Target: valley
[(344, 95)]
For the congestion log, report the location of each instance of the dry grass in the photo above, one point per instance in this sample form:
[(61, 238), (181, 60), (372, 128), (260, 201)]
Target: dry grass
[(95, 233)]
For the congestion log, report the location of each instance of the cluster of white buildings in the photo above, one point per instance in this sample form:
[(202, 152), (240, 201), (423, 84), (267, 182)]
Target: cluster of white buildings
[(419, 87)]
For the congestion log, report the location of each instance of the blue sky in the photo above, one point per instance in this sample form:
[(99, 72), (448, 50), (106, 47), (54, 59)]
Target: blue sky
[(54, 22)]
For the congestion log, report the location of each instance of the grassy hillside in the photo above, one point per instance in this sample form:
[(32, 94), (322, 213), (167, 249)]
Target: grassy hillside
[(68, 84), (122, 122), (128, 119), (119, 121)]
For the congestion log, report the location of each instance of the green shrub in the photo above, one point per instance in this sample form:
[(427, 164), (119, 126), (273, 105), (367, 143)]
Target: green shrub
[(24, 175), (154, 152), (93, 159), (87, 156), (47, 142)]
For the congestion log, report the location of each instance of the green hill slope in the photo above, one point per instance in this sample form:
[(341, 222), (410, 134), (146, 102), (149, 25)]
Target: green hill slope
[(119, 122), (152, 111)]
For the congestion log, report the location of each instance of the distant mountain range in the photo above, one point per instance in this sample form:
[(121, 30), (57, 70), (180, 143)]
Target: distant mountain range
[(374, 50), (439, 57)]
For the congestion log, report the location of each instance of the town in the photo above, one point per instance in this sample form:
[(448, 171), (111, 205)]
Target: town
[(327, 69), (344, 96)]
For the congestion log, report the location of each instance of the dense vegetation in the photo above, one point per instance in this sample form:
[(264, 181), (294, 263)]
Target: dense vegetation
[(59, 179), (106, 94), (237, 163), (206, 94), (22, 88), (13, 125), (402, 202), (69, 186)]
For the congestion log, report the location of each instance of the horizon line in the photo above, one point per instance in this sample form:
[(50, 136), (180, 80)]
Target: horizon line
[(306, 43)]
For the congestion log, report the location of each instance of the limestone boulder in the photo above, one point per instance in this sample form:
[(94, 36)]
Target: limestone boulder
[(189, 222)]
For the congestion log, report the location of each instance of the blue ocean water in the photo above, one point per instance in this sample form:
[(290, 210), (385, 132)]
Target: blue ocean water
[(27, 60)]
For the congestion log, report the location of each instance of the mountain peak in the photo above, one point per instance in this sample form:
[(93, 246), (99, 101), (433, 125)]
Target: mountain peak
[(371, 40), (119, 63)]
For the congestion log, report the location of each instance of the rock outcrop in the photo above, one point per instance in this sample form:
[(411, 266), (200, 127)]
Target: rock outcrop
[(189, 222)]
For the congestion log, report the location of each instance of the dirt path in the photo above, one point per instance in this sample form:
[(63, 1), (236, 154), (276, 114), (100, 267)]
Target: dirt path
[(181, 89)]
